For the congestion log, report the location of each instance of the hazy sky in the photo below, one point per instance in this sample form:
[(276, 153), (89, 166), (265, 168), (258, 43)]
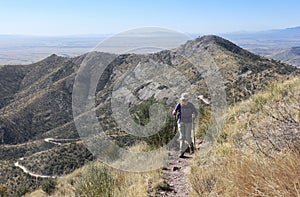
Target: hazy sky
[(73, 17)]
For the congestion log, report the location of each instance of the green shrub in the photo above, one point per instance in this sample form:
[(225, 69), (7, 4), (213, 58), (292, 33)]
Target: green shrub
[(222, 138), (141, 115), (259, 102), (97, 181), (204, 122), (49, 185), (162, 137), (21, 191)]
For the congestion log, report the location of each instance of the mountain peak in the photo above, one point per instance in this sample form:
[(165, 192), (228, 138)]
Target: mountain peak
[(216, 42), (50, 59), (205, 40), (221, 42), (212, 40), (208, 38), (224, 44), (52, 56)]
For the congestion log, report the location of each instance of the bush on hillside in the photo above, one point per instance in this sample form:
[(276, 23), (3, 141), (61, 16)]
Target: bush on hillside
[(141, 115), (97, 181), (49, 185)]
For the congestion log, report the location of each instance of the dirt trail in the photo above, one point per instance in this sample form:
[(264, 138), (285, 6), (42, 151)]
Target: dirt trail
[(49, 140), (59, 141), (25, 170), (175, 175)]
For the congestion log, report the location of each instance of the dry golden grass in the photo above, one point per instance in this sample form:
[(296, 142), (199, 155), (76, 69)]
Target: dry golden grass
[(239, 174), (257, 176), (37, 193), (239, 164), (124, 183), (231, 168), (239, 115)]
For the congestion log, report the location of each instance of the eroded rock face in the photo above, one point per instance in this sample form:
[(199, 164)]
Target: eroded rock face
[(152, 80)]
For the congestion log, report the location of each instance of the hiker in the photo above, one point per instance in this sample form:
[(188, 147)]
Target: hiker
[(186, 113)]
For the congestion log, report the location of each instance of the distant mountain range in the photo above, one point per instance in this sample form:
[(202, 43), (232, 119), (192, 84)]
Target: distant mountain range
[(280, 44), (16, 49), (276, 34), (36, 100)]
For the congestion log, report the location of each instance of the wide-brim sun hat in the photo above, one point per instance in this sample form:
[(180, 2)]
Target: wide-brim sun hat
[(184, 96)]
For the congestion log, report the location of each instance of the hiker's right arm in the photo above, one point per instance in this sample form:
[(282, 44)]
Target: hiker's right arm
[(176, 109)]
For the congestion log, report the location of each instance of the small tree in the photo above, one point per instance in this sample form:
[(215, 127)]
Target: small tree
[(49, 185), (22, 191)]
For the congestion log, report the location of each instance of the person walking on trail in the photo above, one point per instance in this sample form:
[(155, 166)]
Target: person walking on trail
[(186, 113)]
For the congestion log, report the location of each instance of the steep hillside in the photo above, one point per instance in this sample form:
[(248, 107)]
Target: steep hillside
[(291, 55), (258, 151), (58, 161), (11, 78), (257, 154), (36, 100), (40, 99)]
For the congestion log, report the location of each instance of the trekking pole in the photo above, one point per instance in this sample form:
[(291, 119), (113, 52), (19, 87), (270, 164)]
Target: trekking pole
[(194, 135)]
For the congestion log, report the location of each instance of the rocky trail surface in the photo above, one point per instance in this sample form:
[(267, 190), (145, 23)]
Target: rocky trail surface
[(175, 181)]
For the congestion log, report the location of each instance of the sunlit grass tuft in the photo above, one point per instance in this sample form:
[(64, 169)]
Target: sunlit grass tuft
[(258, 153)]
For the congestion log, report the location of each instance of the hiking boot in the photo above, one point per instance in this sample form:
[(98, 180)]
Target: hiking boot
[(192, 149), (181, 155), (188, 150)]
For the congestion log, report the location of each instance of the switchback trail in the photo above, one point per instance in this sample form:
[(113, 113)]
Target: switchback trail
[(25, 170), (49, 140), (59, 141)]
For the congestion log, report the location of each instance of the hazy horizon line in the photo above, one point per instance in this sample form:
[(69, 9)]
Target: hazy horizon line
[(111, 34)]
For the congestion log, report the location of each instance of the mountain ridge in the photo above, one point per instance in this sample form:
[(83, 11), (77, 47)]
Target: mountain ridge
[(40, 97), (52, 78)]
